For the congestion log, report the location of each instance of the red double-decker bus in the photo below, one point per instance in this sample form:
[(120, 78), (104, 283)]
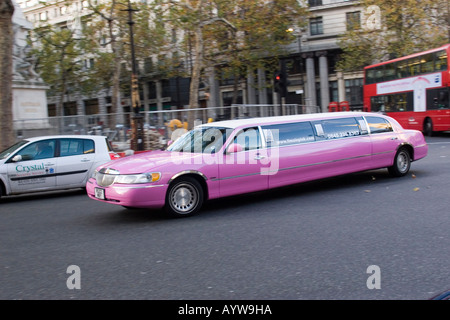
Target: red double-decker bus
[(413, 89)]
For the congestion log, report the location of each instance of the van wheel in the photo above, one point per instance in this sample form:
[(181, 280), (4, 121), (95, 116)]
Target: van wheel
[(428, 128), (184, 197), (402, 163)]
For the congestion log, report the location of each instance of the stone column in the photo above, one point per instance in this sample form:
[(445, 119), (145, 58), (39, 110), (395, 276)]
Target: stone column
[(341, 86), (251, 92), (324, 85), (145, 102), (214, 95), (159, 104), (311, 99), (262, 90)]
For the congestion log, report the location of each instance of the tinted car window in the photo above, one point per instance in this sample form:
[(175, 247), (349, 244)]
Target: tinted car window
[(249, 139), (288, 134), (378, 125), (71, 147), (340, 128), (38, 150)]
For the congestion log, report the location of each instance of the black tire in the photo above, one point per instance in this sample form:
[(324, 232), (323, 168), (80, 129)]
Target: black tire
[(402, 163), (184, 197), (428, 128)]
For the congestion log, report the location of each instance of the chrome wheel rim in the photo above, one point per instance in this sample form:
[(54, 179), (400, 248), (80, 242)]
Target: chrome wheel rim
[(402, 162), (184, 198)]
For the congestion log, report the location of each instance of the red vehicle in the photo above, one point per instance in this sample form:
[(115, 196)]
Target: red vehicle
[(413, 89)]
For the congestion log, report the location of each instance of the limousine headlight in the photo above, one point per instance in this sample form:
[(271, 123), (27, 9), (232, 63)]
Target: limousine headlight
[(137, 178)]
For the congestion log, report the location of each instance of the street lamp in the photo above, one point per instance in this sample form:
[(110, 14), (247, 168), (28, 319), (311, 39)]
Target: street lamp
[(137, 125)]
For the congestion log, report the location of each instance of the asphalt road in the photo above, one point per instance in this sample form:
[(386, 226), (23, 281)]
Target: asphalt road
[(313, 241)]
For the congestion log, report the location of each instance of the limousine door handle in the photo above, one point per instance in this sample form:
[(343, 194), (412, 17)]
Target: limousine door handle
[(259, 157), (394, 138)]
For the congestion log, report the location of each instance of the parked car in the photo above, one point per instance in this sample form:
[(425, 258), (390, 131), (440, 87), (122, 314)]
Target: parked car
[(232, 157), (52, 163)]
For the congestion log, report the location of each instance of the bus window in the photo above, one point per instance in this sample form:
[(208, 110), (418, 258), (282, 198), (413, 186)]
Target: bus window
[(441, 61), (414, 66), (379, 74), (427, 63), (403, 69), (378, 104), (390, 71), (370, 76), (437, 99)]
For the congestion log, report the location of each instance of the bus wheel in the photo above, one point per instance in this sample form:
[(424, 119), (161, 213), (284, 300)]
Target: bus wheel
[(184, 197), (402, 163), (428, 128)]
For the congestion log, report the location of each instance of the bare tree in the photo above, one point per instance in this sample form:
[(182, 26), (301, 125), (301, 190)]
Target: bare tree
[(6, 59)]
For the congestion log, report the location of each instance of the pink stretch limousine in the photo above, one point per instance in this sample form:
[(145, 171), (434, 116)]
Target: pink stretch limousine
[(238, 156)]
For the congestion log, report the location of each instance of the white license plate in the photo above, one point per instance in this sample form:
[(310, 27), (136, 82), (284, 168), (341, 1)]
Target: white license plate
[(100, 193)]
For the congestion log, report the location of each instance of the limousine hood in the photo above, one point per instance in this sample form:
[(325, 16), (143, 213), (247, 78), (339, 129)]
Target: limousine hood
[(152, 160)]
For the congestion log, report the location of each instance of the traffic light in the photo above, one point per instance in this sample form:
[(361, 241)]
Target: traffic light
[(277, 82), (280, 83)]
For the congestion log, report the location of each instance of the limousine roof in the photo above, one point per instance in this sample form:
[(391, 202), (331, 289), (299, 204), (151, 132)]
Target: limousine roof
[(291, 118)]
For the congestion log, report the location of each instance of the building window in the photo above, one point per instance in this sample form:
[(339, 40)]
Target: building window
[(43, 16), (316, 26), (353, 20), (334, 92), (314, 3), (354, 92)]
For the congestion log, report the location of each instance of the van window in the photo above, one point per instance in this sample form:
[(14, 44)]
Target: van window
[(340, 128), (72, 147), (378, 125), (42, 149), (286, 134)]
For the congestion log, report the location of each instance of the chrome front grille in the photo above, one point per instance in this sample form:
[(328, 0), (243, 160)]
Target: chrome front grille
[(106, 176)]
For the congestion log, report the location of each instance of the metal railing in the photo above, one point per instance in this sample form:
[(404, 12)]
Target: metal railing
[(159, 122)]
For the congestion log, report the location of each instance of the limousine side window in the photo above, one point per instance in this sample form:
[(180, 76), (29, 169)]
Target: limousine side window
[(286, 134), (249, 139), (379, 125), (362, 125), (340, 128)]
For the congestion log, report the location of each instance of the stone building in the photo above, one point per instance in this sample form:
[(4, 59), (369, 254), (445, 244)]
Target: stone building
[(310, 64)]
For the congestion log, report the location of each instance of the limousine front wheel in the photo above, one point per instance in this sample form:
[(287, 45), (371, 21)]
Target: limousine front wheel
[(184, 197), (402, 163)]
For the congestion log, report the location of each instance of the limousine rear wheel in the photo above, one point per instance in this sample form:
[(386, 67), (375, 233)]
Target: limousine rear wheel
[(184, 197), (402, 163)]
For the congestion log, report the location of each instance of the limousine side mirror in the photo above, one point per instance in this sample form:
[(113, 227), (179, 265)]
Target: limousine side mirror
[(234, 147)]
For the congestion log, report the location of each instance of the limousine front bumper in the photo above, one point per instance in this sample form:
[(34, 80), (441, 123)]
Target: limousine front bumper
[(137, 196)]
